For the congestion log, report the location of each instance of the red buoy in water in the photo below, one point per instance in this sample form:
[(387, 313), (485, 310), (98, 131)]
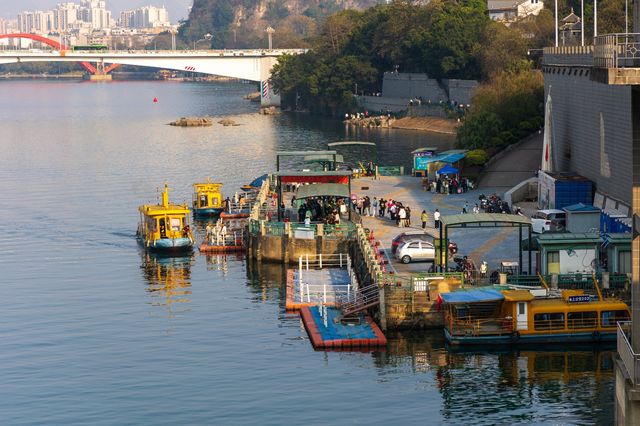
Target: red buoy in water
[(155, 100)]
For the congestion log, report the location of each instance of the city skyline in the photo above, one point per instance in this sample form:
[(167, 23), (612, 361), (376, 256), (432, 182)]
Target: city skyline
[(178, 9)]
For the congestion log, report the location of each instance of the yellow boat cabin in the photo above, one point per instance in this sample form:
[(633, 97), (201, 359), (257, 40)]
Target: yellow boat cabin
[(492, 316), (165, 227), (207, 199)]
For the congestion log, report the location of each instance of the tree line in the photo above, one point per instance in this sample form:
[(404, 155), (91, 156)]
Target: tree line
[(444, 39)]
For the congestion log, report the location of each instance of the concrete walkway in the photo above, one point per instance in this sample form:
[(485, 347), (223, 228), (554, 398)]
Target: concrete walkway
[(515, 165), (492, 245)]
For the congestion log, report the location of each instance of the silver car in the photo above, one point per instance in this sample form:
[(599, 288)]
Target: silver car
[(416, 250)]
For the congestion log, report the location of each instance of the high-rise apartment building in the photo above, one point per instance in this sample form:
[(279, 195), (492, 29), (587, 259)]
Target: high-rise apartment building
[(95, 13), (145, 17), (65, 15), (36, 22), (8, 26)]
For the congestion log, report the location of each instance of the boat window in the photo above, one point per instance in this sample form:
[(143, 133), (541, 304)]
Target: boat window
[(549, 321), (553, 262), (176, 224), (609, 318), (203, 200), (582, 319), (215, 201), (521, 308)]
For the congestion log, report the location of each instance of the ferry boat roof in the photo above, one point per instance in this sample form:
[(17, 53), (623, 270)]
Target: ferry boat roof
[(207, 186), (160, 210), (164, 208)]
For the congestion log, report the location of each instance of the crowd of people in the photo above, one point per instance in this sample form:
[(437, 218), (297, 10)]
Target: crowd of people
[(447, 185), (396, 210), (317, 209)]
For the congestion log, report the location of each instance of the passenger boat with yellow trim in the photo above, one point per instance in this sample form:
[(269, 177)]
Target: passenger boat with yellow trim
[(497, 316), (207, 199), (164, 227)]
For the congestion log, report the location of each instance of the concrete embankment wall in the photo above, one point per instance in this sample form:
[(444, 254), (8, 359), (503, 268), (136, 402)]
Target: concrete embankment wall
[(398, 89), (407, 308)]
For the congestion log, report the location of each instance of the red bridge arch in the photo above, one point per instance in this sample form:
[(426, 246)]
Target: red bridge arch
[(50, 42)]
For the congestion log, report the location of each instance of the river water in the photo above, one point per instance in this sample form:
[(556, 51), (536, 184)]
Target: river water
[(93, 330)]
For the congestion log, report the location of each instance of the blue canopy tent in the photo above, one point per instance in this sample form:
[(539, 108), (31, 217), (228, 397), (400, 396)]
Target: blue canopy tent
[(255, 184), (448, 170)]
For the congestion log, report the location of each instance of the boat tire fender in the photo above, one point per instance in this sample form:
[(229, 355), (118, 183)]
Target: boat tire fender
[(515, 337)]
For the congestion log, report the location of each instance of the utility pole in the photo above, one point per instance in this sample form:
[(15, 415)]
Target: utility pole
[(582, 22), (556, 23), (595, 19)]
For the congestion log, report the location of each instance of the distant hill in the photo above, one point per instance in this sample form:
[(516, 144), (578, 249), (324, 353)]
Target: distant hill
[(242, 23)]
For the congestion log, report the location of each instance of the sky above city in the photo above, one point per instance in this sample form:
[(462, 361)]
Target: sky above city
[(178, 9)]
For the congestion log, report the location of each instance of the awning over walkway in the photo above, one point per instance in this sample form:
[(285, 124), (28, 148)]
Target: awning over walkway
[(450, 156), (322, 190), (481, 220), (472, 296)]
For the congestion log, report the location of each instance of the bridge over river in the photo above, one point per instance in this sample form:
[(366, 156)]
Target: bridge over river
[(244, 64)]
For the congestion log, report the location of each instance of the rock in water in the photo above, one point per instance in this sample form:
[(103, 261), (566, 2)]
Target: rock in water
[(192, 122), (228, 122), (269, 110)]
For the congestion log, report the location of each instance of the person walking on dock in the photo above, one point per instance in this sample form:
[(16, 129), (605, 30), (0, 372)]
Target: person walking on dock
[(465, 208), (424, 217), (402, 217), (436, 218), (209, 233), (223, 233)]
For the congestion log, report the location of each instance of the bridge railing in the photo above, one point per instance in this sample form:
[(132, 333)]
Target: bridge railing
[(617, 51)]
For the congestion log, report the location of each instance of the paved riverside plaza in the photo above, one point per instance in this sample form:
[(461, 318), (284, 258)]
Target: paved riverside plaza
[(492, 245)]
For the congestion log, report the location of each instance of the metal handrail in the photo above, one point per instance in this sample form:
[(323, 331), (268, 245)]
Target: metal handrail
[(479, 326), (617, 51), (630, 359)]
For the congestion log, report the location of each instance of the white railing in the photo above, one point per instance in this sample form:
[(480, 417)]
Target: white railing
[(261, 198), (630, 359), (319, 291), (617, 51), (318, 261)]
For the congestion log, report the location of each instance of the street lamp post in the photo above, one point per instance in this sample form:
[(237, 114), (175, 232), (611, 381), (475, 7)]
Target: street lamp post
[(173, 39), (270, 32)]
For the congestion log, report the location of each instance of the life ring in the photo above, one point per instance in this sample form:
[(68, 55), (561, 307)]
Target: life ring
[(595, 336), (515, 336)]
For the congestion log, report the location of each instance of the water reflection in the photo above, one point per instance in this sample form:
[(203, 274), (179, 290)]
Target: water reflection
[(512, 384), (168, 278), (266, 281)]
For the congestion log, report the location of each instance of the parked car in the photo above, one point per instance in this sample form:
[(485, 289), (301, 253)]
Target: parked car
[(548, 220), (402, 238), (416, 250)]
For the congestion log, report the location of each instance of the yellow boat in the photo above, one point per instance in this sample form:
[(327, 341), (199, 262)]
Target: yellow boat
[(493, 316), (165, 227), (207, 199)]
